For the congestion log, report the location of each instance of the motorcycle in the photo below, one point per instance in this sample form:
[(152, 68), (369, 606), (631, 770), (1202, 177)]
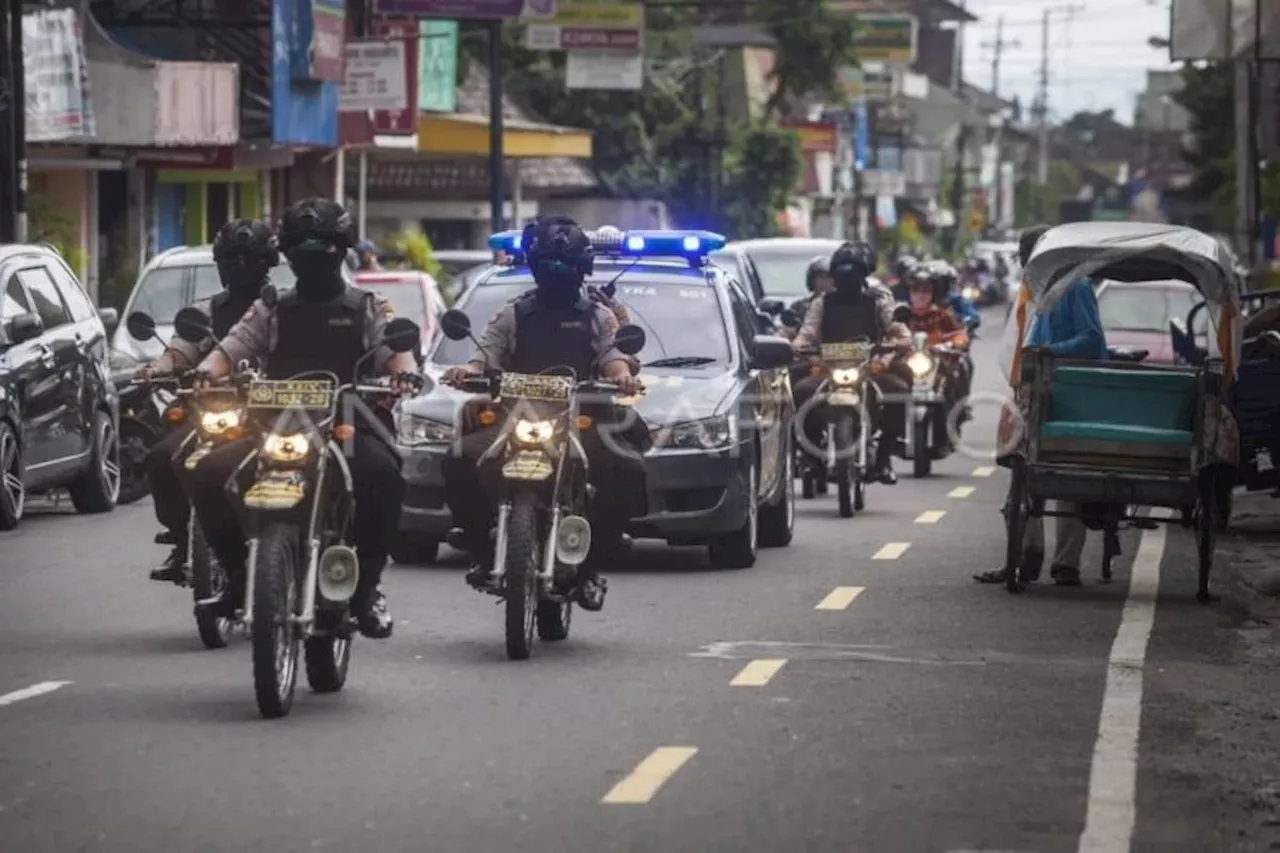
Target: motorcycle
[(542, 533), (849, 441), (298, 513), (928, 436), (217, 418), (142, 425)]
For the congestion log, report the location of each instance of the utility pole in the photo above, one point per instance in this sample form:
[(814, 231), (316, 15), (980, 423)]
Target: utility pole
[(10, 66), (957, 55), (1041, 108), (998, 47)]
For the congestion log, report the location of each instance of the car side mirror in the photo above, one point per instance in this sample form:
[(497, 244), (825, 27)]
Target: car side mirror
[(456, 325), (770, 352), (25, 327), (789, 318), (402, 335), (772, 307), (140, 325), (629, 340), (110, 318), (192, 325)]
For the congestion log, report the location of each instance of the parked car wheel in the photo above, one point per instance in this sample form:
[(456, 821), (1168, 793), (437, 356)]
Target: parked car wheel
[(13, 493), (98, 486)]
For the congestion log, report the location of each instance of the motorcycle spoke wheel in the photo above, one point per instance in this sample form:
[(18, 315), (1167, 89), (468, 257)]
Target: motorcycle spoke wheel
[(275, 642), (521, 577)]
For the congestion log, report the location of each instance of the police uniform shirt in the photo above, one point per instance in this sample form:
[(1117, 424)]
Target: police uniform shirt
[(257, 333), (186, 353), (810, 334), (498, 341)]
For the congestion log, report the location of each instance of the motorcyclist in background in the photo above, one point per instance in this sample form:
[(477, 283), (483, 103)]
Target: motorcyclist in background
[(951, 295), (245, 251), (817, 280), (927, 295)]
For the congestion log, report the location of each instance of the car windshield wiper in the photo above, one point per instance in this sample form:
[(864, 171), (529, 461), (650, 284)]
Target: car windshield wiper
[(682, 361)]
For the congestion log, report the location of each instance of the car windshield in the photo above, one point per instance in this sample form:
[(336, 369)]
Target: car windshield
[(782, 269), (679, 321), (405, 297), (162, 293), (1147, 309)]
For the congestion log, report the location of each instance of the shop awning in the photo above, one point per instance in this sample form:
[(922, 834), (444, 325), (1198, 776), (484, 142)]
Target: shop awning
[(456, 135)]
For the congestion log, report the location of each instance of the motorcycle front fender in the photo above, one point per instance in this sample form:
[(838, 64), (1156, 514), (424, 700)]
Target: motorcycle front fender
[(277, 490)]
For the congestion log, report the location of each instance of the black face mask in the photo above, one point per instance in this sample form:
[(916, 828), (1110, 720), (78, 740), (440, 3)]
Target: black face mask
[(559, 285), (243, 277), (319, 275)]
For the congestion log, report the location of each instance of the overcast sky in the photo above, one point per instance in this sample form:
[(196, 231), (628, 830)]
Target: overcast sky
[(1098, 52)]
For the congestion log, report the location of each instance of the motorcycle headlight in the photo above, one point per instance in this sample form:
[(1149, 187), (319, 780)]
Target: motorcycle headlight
[(216, 423), (920, 364), (708, 434), (971, 293), (845, 376), (414, 430), (286, 448), (534, 432)]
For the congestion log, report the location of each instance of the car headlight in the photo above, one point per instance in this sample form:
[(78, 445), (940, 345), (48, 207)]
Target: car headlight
[(216, 423), (414, 430), (920, 364), (707, 434), (844, 376), (534, 432), (286, 448)]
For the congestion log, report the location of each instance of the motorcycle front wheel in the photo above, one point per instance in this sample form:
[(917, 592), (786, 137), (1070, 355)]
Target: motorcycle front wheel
[(136, 441), (921, 454), (207, 580), (521, 576), (846, 465), (275, 642)]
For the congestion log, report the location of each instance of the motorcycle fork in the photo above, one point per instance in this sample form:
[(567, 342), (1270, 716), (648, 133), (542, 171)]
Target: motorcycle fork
[(306, 616), (500, 546), (547, 575)]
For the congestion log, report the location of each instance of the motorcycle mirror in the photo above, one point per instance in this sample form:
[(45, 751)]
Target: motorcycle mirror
[(789, 318), (192, 325), (402, 335), (140, 325), (772, 307), (455, 325), (902, 314), (629, 340)]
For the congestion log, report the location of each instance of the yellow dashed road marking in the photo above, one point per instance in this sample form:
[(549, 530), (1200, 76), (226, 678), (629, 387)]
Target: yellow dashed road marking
[(984, 471), (960, 492), (839, 598), (758, 673), (650, 775), (892, 551), (932, 516)]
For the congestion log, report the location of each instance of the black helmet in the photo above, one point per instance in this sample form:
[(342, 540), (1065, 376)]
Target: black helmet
[(558, 244), (820, 265), (246, 238), (851, 263), (316, 223)]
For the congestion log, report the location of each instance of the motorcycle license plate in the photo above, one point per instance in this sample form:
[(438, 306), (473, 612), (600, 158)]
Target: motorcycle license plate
[(290, 393), (843, 398), (276, 490), (197, 455), (528, 465)]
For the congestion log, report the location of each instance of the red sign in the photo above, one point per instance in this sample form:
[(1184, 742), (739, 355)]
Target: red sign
[(401, 122), (816, 137)]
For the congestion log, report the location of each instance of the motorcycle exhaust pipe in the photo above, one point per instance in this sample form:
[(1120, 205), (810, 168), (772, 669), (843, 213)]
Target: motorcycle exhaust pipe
[(339, 573), (573, 540)]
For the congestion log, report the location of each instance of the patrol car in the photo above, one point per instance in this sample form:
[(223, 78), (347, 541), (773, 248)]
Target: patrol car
[(717, 403)]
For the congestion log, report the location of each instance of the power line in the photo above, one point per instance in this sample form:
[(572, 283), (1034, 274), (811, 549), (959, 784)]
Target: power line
[(998, 46)]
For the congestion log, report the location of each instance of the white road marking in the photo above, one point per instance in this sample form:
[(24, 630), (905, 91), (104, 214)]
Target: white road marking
[(891, 551), (31, 692), (932, 516), (650, 775), (1113, 775), (960, 492), (839, 598), (984, 471), (757, 673)]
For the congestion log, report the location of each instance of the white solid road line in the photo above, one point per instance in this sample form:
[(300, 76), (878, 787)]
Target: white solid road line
[(960, 492), (984, 471), (757, 673), (650, 775), (891, 551), (932, 516), (31, 692), (1113, 776), (839, 598)]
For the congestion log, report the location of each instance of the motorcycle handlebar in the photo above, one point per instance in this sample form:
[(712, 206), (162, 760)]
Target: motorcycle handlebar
[(487, 385)]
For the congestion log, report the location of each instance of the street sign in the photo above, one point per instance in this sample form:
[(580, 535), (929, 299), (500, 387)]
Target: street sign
[(375, 77), (816, 137), (604, 71), (882, 182), (868, 84), (890, 38), (591, 27), (402, 122), (438, 66), (861, 136)]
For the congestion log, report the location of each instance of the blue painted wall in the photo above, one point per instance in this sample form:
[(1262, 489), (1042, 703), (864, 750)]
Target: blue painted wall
[(303, 112), (169, 201)]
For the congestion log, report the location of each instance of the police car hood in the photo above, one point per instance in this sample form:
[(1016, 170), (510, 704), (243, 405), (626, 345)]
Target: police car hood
[(671, 396)]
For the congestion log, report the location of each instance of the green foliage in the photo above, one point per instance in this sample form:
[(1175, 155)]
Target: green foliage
[(813, 43), (1035, 204), (46, 223), (414, 251), (1208, 94)]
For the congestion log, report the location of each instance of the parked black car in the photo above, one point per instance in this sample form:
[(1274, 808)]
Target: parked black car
[(59, 413)]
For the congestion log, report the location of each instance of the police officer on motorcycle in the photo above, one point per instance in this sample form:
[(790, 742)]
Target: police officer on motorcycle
[(856, 308), (555, 325), (245, 251), (323, 324)]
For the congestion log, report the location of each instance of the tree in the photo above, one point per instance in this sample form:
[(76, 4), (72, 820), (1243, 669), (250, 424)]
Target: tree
[(812, 44)]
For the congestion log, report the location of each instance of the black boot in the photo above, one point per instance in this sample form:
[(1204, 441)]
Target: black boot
[(173, 569), (228, 602), (372, 616), (883, 471)]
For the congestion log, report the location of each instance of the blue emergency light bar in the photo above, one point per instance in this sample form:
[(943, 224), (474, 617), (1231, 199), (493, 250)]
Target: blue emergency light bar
[(693, 246)]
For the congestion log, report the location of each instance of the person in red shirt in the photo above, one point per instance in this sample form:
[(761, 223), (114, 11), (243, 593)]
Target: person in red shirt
[(927, 295)]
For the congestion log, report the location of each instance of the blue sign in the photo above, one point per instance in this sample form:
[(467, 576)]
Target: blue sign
[(861, 136), (303, 112), (318, 50)]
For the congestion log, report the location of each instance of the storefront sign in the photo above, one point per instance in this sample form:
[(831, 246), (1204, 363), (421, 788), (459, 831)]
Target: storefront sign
[(56, 77), (461, 9), (592, 27), (303, 111), (438, 67), (402, 122), (604, 71), (890, 39), (321, 32), (375, 77), (816, 137)]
